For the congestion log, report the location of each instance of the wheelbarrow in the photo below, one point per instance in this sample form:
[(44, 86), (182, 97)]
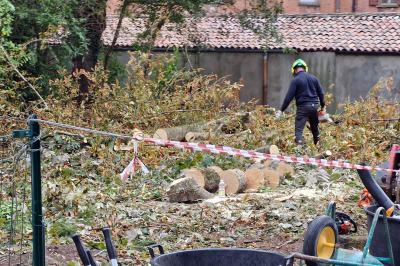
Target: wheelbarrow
[(320, 243), (319, 248)]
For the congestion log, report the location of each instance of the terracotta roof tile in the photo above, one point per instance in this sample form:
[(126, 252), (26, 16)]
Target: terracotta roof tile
[(370, 32)]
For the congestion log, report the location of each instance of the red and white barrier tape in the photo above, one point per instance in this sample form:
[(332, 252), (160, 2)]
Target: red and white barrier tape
[(138, 136), (131, 168), (208, 148)]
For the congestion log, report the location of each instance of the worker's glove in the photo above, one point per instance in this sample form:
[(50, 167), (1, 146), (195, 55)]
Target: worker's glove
[(278, 114)]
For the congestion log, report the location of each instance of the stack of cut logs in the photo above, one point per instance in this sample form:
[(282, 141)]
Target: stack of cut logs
[(200, 183), (196, 184), (228, 125)]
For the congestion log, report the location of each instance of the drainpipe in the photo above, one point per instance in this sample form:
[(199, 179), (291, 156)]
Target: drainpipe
[(337, 6), (354, 6), (265, 78)]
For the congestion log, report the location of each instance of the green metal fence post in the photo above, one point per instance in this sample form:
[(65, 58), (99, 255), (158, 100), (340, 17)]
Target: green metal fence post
[(37, 216)]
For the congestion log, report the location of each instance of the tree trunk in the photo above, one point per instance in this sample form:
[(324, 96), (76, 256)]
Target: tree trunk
[(235, 181), (176, 133), (218, 126), (95, 25), (186, 190), (83, 80)]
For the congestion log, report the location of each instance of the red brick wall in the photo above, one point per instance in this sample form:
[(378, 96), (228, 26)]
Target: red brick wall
[(290, 7), (363, 6), (329, 6)]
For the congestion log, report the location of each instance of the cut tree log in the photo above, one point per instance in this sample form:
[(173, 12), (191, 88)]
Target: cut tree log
[(285, 169), (216, 168), (257, 165), (192, 136), (215, 127), (324, 155), (176, 133), (186, 190), (270, 149), (206, 178), (212, 179), (235, 181), (195, 174), (267, 163), (282, 167), (272, 178), (254, 178)]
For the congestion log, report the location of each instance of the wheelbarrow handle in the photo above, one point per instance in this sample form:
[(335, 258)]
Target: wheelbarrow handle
[(112, 254), (90, 257), (81, 250), (151, 250)]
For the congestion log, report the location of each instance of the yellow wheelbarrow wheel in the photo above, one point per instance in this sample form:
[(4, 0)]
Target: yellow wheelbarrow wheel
[(320, 239)]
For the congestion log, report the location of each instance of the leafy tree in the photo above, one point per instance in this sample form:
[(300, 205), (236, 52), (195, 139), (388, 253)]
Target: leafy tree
[(11, 54), (56, 34), (74, 27)]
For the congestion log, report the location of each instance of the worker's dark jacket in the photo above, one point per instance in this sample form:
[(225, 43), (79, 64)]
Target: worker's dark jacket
[(306, 89)]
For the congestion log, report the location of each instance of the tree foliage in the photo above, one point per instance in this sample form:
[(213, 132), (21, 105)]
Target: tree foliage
[(56, 34), (48, 38)]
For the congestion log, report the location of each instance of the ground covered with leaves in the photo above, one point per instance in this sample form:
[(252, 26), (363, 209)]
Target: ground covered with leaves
[(77, 199)]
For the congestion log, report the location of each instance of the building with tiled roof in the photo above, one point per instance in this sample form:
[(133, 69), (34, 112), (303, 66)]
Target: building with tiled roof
[(377, 32), (348, 52)]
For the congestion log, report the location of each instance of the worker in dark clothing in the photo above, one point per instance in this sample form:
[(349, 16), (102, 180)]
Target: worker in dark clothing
[(309, 95)]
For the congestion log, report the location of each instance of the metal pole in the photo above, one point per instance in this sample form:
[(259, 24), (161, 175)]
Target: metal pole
[(37, 216)]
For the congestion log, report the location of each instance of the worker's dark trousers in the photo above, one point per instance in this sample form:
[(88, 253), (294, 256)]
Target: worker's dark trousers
[(308, 112)]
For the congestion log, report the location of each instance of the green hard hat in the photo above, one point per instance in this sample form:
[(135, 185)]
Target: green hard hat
[(299, 63)]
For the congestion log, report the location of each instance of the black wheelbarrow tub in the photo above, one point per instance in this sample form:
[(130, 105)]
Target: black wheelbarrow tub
[(378, 246), (221, 257)]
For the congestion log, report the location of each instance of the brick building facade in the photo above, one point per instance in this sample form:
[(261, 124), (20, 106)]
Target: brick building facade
[(297, 6), (339, 6)]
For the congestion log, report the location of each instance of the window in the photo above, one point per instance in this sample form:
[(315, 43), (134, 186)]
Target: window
[(309, 2), (390, 3)]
